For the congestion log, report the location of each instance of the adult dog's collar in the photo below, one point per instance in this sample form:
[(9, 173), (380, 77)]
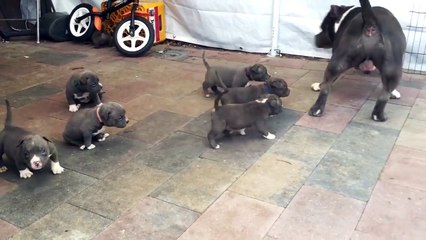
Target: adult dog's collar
[(97, 113), (337, 24), (267, 88)]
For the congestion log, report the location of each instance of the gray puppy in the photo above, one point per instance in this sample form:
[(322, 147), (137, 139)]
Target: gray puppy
[(273, 85), (88, 124), (102, 39), (232, 77), (83, 87), (27, 150), (240, 116)]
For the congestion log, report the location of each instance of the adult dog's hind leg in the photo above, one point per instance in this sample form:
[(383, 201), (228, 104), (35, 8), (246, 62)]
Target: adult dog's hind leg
[(334, 69)]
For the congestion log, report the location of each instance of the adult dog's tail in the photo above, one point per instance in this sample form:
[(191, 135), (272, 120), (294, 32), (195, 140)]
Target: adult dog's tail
[(371, 27), (8, 121), (204, 60), (219, 96)]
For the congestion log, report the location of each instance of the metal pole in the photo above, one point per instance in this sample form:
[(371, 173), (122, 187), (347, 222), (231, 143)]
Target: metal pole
[(38, 21), (275, 29)]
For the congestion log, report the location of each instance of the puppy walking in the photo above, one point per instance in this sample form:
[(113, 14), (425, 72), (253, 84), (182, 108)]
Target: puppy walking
[(27, 150), (367, 37), (83, 88), (231, 77), (87, 125)]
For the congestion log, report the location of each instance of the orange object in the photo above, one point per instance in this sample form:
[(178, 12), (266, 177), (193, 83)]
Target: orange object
[(98, 21)]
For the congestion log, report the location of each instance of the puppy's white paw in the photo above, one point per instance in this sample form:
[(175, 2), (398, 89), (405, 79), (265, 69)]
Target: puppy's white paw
[(56, 168), (74, 107), (3, 169), (217, 146), (26, 173), (270, 136), (315, 87), (395, 94), (243, 131), (82, 147), (92, 146), (207, 95)]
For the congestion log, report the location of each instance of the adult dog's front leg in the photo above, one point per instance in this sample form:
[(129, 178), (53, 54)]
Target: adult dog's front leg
[(333, 71)]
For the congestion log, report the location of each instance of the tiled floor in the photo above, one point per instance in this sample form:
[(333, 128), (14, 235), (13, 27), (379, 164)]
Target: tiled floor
[(341, 176)]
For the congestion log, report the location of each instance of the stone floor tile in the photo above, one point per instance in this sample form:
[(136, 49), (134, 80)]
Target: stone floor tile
[(65, 222), (234, 216), (174, 153), (242, 151), (125, 92), (7, 230), (288, 62), (317, 214), (105, 158), (394, 212), (273, 178), (290, 75), (35, 110), (155, 127), (406, 167), (31, 94), (351, 93), (199, 126), (418, 111), (300, 99), (120, 190), (143, 222), (191, 105), (350, 174), (6, 186), (412, 134), (408, 95), (306, 81), (144, 105), (56, 58), (396, 115), (39, 195), (422, 94), (197, 186), (334, 120), (366, 140), (316, 65), (362, 77)]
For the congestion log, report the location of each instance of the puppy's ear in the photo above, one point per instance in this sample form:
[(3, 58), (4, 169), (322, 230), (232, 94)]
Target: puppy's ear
[(45, 138)]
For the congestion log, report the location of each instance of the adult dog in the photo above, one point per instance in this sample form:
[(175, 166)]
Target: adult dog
[(366, 36)]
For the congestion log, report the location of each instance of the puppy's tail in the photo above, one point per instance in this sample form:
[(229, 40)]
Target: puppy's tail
[(204, 60), (371, 27), (219, 96), (8, 121)]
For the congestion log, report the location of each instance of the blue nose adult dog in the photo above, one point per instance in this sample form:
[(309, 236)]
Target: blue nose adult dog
[(366, 35)]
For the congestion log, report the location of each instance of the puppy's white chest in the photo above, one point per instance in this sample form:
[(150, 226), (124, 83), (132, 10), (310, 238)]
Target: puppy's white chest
[(99, 131), (84, 97)]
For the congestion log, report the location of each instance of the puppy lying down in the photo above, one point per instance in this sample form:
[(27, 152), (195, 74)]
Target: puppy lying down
[(241, 116), (87, 125)]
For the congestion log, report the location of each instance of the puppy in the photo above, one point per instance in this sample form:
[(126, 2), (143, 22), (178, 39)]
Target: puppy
[(240, 116), (27, 150), (88, 124), (83, 87), (232, 77), (273, 85), (367, 38), (102, 39)]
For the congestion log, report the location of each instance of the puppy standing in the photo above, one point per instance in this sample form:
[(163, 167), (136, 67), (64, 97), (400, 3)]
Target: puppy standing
[(27, 150), (88, 124), (81, 88), (232, 77), (240, 116), (273, 85)]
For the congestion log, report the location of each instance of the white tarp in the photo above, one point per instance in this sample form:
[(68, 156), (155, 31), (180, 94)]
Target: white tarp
[(246, 25)]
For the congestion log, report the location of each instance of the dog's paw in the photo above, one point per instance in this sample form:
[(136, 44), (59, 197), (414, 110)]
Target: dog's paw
[(315, 87), (395, 94), (26, 173), (74, 107), (242, 131), (82, 147), (92, 146), (315, 111), (56, 168), (3, 169), (270, 136), (104, 137), (217, 146), (207, 95), (379, 117)]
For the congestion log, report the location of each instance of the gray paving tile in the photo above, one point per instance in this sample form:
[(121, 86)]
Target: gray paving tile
[(366, 140), (32, 94), (103, 159), (65, 222), (199, 126), (242, 151), (155, 127), (37, 196), (351, 174), (197, 186), (173, 153), (120, 190), (56, 58), (150, 219)]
